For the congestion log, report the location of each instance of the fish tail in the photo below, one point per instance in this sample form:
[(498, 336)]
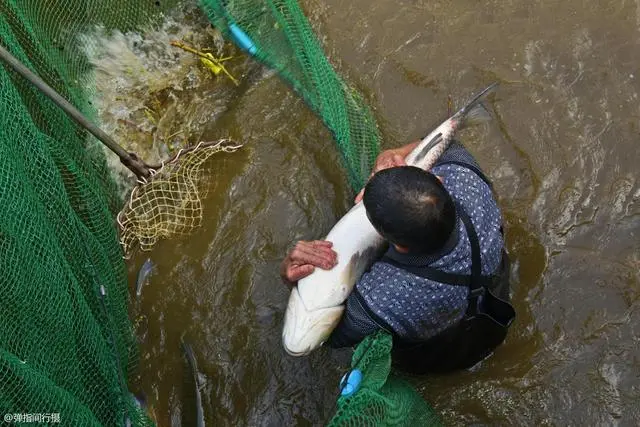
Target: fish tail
[(191, 358), (475, 112)]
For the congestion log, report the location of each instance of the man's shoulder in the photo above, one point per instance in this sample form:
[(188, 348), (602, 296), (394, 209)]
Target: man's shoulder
[(380, 271), (460, 180)]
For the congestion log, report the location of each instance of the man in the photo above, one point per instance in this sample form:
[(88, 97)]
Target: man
[(442, 287)]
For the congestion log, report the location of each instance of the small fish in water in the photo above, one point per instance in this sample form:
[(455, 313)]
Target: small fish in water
[(144, 273), (191, 359), (140, 400)]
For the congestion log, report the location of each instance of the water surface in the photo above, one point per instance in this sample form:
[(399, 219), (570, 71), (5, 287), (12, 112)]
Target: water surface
[(563, 156)]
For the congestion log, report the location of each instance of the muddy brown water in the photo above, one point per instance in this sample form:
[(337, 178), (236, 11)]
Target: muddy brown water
[(563, 154)]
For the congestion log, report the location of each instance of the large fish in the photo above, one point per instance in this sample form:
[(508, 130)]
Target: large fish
[(317, 303)]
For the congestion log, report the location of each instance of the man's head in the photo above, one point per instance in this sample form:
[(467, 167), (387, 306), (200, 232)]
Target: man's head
[(410, 208)]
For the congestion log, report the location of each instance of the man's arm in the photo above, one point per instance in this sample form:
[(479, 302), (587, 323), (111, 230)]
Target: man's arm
[(304, 258), (454, 152), (354, 326), (355, 323), (389, 159), (401, 151)]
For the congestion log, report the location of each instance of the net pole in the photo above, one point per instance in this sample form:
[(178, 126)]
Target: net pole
[(127, 159)]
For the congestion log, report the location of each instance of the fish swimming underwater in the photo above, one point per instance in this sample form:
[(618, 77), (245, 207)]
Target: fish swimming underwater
[(145, 271), (193, 365), (316, 304)]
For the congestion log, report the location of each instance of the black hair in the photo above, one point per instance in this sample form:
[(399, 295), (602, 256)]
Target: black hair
[(410, 207)]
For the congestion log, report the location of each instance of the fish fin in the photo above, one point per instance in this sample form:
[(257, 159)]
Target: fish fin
[(477, 115), (191, 358), (434, 141), (475, 112)]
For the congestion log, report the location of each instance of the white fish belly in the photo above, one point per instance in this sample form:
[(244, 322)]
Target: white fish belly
[(357, 243)]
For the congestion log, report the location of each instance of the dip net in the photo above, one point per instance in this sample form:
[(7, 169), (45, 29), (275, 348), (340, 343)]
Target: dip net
[(170, 203)]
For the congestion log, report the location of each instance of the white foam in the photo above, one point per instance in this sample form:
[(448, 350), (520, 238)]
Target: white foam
[(144, 88)]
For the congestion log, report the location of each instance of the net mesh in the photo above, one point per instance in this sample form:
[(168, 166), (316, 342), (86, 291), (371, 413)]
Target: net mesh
[(382, 399), (66, 343), (284, 40), (170, 203)]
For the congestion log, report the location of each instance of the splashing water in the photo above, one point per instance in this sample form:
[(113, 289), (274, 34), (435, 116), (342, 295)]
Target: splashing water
[(151, 97)]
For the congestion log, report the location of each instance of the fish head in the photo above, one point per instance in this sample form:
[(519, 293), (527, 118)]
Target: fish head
[(305, 330)]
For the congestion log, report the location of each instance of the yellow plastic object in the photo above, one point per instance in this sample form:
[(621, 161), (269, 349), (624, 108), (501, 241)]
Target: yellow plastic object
[(208, 60)]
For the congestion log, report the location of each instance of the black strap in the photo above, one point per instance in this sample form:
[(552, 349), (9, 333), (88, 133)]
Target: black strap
[(476, 263), (478, 172)]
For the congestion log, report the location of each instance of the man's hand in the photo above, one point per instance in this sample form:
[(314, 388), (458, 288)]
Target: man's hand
[(389, 159), (305, 257)]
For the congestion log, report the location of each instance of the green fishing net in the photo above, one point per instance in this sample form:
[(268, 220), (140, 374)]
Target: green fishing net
[(382, 399), (281, 37), (66, 342)]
